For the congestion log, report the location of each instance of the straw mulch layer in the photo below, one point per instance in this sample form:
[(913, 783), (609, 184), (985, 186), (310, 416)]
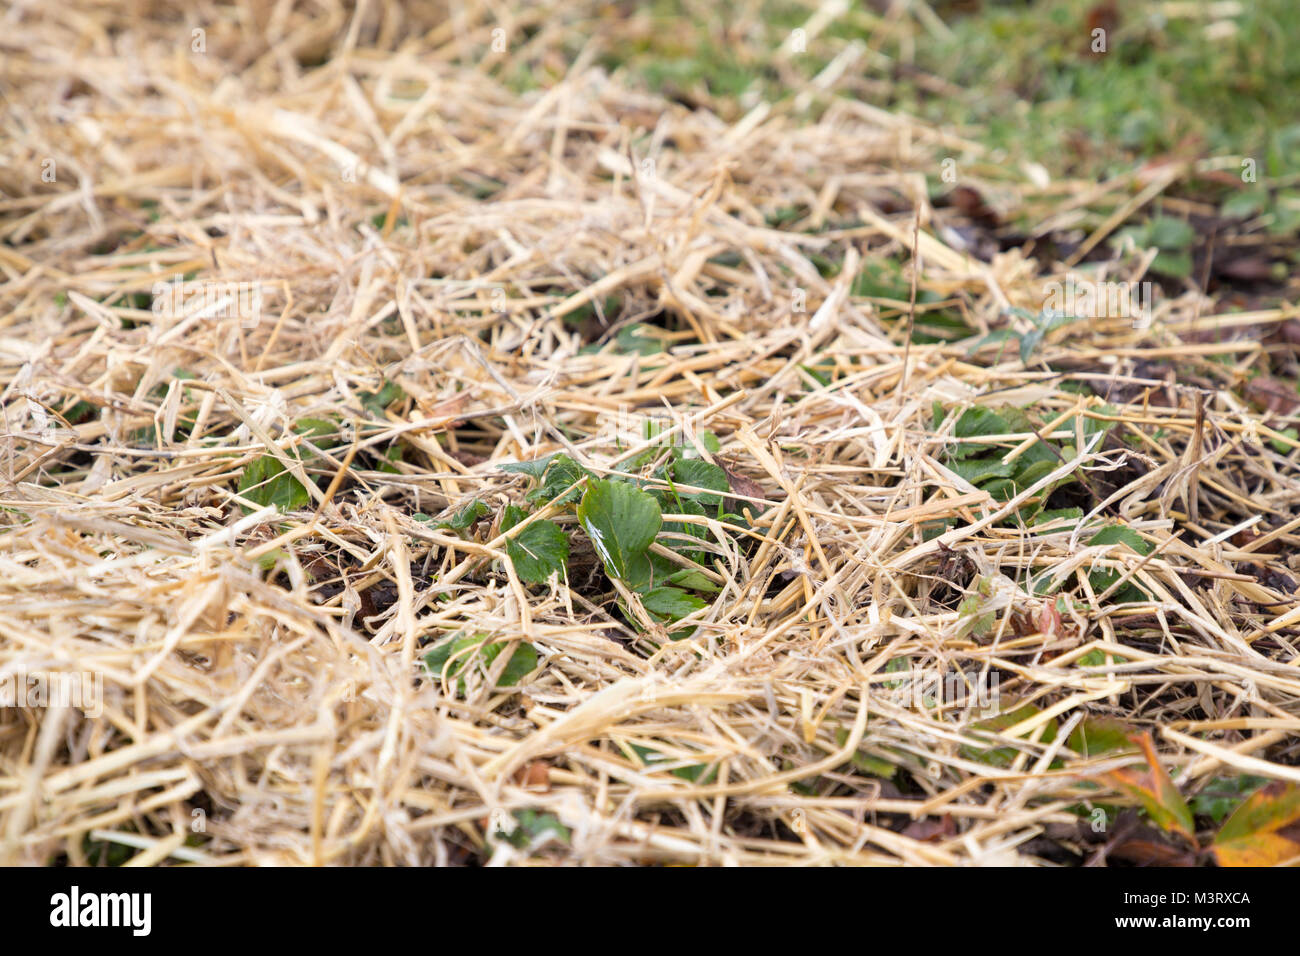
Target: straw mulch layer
[(454, 276)]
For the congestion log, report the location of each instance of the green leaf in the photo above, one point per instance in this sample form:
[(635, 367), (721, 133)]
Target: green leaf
[(1173, 264), (695, 773), (539, 550), (561, 472), (1001, 489), (671, 602), (973, 423), (897, 665), (78, 412), (865, 762), (1062, 514), (696, 473), (1172, 237), (267, 561), (465, 516), (1096, 426), (1118, 534), (997, 335), (376, 402), (1286, 217), (972, 617), (692, 579), (682, 536), (977, 470), (1003, 756), (436, 660), (1245, 205), (1281, 447), (470, 651), (319, 431), (533, 830), (1030, 473), (1073, 515), (522, 662), (1029, 342), (1101, 580), (621, 522), (267, 482), (533, 469), (692, 772), (1099, 735), (823, 375), (700, 474), (554, 473), (630, 340), (1167, 232), (1097, 658), (1222, 795)]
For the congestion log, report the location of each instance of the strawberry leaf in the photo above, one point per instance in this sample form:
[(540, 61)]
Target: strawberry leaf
[(538, 551), (621, 522)]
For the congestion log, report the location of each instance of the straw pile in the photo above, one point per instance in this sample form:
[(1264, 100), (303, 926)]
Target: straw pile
[(407, 219)]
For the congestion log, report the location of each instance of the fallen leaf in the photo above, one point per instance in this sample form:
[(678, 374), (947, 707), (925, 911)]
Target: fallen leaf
[(1246, 269), (1248, 536), (971, 204), (535, 776), (741, 485), (1264, 830), (930, 830), (1291, 331), (1273, 394), (1156, 792), (449, 406), (1104, 17), (1151, 853)]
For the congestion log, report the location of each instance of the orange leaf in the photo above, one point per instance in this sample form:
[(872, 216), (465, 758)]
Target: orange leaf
[(534, 776), (1263, 831), (1156, 792)]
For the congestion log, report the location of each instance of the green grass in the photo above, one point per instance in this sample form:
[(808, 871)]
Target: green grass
[(1035, 92), (1020, 76)]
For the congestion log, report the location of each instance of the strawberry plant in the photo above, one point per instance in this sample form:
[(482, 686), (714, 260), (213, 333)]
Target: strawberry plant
[(982, 464), (659, 565), (266, 481), (462, 655)]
